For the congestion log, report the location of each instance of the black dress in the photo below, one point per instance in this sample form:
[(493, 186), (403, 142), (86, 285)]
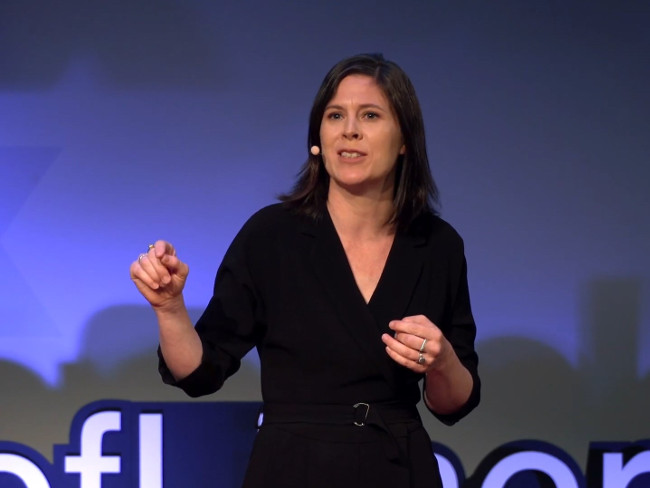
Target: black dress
[(285, 287)]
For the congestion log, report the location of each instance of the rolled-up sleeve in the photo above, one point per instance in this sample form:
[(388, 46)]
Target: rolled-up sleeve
[(229, 327), (461, 333)]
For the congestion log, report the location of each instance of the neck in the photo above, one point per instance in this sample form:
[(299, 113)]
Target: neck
[(361, 215)]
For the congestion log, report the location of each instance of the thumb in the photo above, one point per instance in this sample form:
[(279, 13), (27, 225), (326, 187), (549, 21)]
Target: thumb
[(162, 248), (175, 265)]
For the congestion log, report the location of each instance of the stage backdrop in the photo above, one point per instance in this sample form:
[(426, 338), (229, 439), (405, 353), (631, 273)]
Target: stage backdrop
[(128, 121)]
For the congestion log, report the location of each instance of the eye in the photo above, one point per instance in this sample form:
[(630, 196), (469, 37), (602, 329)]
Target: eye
[(334, 116), (371, 115)]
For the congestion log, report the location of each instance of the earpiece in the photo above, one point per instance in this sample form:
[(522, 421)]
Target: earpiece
[(315, 150)]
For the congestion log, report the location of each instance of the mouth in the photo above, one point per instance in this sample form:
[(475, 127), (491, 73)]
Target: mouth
[(350, 154)]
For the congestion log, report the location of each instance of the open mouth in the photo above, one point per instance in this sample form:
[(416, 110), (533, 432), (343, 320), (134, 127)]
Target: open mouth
[(351, 154)]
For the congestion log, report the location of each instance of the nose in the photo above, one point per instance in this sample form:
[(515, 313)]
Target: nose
[(351, 130)]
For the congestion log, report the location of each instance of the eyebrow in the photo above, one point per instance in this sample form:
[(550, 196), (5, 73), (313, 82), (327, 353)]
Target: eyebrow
[(362, 106)]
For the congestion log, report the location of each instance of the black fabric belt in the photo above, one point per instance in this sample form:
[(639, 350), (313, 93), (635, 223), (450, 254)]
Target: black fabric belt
[(359, 414), (380, 416)]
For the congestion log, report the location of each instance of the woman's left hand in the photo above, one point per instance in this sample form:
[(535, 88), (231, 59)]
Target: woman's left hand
[(417, 344)]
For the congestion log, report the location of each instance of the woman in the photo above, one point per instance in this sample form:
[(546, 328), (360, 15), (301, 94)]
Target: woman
[(351, 289)]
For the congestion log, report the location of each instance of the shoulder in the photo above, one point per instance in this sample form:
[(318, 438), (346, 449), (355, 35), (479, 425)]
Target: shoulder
[(273, 218), (265, 241), (268, 227), (436, 232)]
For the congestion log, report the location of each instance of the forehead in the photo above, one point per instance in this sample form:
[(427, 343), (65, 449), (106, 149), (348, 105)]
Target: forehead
[(359, 89)]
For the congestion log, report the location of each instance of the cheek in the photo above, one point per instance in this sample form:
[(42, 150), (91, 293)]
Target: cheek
[(325, 141), (325, 166), (327, 153)]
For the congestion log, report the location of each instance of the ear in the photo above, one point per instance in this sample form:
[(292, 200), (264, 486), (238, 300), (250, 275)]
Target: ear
[(402, 150)]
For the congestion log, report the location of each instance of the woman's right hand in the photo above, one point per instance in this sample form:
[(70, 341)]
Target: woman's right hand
[(160, 276)]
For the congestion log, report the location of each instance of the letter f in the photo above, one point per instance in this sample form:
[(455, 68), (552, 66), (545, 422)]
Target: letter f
[(90, 464)]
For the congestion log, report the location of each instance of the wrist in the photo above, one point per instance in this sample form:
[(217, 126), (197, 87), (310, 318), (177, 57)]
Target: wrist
[(444, 361), (173, 306)]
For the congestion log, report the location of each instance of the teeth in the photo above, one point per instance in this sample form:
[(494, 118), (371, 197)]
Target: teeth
[(346, 154)]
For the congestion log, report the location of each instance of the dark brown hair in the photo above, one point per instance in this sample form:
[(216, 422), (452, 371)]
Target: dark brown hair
[(415, 189)]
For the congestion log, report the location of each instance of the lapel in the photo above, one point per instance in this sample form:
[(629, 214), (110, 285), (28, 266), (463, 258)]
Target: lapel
[(399, 280), (366, 322)]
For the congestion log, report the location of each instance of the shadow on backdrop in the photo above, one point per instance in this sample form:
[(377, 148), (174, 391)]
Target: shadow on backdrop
[(530, 391), (117, 360)]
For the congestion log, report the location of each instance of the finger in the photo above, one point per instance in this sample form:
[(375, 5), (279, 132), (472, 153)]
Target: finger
[(410, 341), (400, 348), (406, 362), (141, 277), (153, 267), (410, 334), (400, 326), (162, 248), (175, 266), (417, 319), (415, 339), (406, 339), (153, 263), (166, 255), (421, 327)]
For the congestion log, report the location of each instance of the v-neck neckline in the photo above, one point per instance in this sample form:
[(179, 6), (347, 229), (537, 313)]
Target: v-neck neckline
[(350, 272), (365, 321)]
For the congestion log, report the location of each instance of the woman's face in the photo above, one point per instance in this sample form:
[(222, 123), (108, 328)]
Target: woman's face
[(360, 137)]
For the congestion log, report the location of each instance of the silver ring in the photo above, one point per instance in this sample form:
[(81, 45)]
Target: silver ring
[(421, 359), (140, 257), (423, 344)]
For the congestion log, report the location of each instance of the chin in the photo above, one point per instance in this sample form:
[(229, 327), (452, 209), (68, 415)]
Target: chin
[(351, 181), (359, 187)]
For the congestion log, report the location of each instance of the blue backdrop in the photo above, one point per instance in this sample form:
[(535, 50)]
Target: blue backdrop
[(127, 121)]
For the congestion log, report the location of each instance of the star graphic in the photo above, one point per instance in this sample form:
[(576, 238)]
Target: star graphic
[(21, 168)]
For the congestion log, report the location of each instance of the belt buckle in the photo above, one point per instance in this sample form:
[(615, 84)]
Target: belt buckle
[(360, 420)]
